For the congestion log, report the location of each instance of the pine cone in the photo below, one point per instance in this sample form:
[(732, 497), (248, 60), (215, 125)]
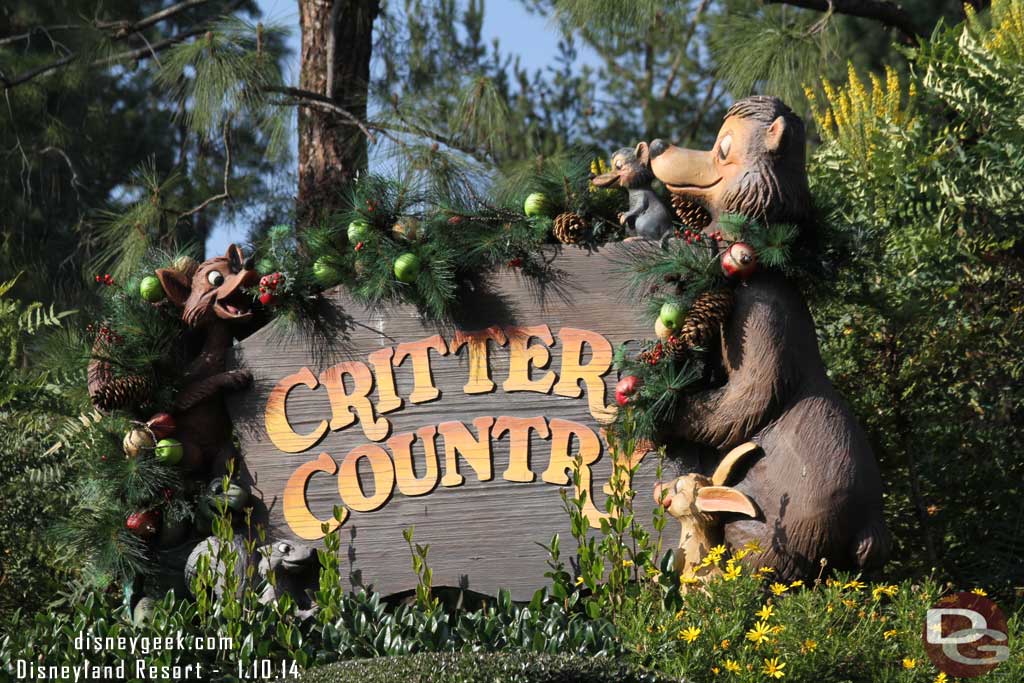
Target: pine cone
[(120, 392), (706, 316), (569, 228), (691, 214)]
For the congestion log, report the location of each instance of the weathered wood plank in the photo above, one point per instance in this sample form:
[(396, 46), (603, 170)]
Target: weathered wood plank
[(483, 534)]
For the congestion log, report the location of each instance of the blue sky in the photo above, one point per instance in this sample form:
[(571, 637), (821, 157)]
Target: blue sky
[(529, 36)]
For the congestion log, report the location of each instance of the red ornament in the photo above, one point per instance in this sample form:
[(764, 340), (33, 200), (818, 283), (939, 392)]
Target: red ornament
[(515, 263), (144, 524), (359, 246), (739, 260), (626, 389), (455, 220), (270, 282), (266, 298), (162, 425)]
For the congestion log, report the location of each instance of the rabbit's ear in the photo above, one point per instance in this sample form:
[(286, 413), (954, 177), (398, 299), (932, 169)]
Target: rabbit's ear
[(724, 499), (730, 460)]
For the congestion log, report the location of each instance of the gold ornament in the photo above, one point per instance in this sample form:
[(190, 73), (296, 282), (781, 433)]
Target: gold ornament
[(136, 441), (186, 265), (569, 228), (406, 227), (661, 331)]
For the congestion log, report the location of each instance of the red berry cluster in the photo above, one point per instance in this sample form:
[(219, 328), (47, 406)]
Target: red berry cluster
[(515, 263), (359, 246), (455, 220), (105, 279), (653, 355), (696, 236), (371, 205), (104, 333), (268, 285)]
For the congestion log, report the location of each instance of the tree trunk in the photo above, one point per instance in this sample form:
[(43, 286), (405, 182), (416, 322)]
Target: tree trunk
[(337, 43)]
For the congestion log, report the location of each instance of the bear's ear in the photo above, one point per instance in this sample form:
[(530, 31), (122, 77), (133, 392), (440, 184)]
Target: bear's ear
[(176, 285), (643, 154), (773, 136)]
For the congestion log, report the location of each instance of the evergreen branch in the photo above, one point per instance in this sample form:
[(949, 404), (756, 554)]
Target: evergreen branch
[(677, 63), (127, 56), (125, 27), (883, 11), (226, 194)]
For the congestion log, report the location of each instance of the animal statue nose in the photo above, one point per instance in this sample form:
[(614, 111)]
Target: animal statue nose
[(249, 264)]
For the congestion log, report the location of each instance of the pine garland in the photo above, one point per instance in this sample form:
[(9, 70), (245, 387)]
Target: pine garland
[(687, 275)]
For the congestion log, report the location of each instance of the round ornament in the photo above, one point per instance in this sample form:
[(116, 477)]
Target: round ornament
[(358, 231), (169, 451), (407, 228), (325, 272), (662, 331), (671, 315), (739, 260), (161, 425), (536, 204), (136, 441), (144, 523), (150, 289), (626, 389), (407, 267)]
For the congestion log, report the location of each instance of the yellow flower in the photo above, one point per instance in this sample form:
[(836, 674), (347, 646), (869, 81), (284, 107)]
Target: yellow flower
[(732, 571), (752, 547), (909, 663), (765, 612), (779, 588), (579, 580), (979, 591), (765, 571), (689, 634), (853, 585), (810, 645), (759, 633), (725, 644), (850, 604), (772, 668), (878, 591), (627, 563), (890, 634), (732, 666), (688, 579), (740, 554), (715, 670), (797, 583), (777, 629), (941, 678)]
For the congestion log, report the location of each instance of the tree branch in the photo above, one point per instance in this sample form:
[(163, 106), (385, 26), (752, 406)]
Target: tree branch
[(882, 11), (312, 99), (226, 194), (124, 29)]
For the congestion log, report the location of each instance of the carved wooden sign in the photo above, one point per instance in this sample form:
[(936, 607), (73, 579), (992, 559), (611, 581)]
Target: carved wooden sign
[(468, 433)]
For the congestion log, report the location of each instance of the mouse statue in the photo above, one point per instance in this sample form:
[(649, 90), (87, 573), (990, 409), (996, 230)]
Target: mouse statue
[(647, 216), (815, 479)]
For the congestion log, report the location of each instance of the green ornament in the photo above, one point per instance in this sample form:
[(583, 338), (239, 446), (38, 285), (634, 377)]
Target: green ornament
[(151, 289), (358, 231), (407, 267), (325, 272), (169, 451), (671, 315), (536, 205)]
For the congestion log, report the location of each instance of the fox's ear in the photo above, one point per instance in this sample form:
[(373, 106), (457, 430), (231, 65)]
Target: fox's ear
[(175, 284), (234, 257)]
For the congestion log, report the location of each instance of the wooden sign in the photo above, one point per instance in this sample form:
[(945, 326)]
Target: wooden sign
[(468, 434)]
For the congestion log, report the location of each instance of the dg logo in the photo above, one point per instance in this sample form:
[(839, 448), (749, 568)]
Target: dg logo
[(965, 635)]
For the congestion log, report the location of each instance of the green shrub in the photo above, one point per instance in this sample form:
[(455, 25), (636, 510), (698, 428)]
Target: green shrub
[(507, 667)]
